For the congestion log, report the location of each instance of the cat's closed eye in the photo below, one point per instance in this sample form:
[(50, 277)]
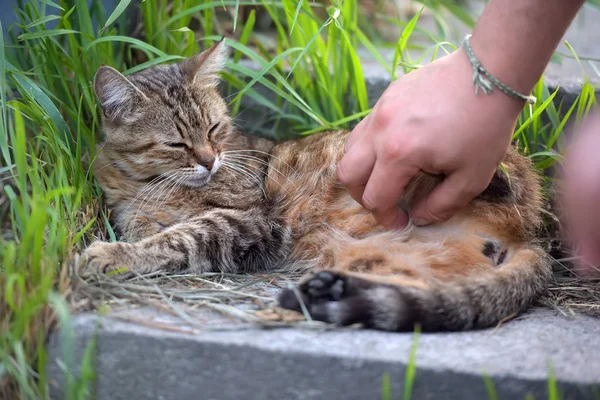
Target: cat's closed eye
[(177, 145), (213, 129)]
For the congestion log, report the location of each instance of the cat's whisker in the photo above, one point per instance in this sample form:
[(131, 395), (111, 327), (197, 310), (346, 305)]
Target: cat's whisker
[(176, 187), (112, 164), (232, 95), (151, 192), (260, 152), (160, 195), (263, 162), (158, 189), (241, 168), (236, 168), (167, 186), (146, 188), (244, 160), (249, 167)]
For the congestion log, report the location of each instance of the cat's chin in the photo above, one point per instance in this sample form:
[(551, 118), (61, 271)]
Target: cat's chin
[(197, 182)]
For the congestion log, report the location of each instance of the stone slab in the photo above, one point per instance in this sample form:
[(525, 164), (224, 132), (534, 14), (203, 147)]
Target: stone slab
[(227, 360)]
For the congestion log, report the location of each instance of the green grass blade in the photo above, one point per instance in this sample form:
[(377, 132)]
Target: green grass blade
[(552, 387), (574, 53), (119, 9), (310, 42), (535, 115), (200, 8), (291, 94), (3, 90), (38, 95), (43, 34), (386, 387), (296, 13), (52, 4), (339, 122), (559, 129), (109, 228), (489, 386), (43, 20), (459, 12), (156, 61), (403, 40), (267, 68), (373, 50), (245, 35), (411, 368), (126, 39), (235, 14)]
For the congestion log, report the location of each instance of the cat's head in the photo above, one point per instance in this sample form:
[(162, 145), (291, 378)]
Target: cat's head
[(167, 120)]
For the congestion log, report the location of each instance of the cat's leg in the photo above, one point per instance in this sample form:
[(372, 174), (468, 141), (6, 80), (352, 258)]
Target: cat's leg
[(225, 240), (141, 226), (454, 288)]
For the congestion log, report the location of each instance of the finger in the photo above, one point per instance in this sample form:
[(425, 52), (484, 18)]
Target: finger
[(448, 197), (579, 200), (355, 168), (383, 191), (357, 134)]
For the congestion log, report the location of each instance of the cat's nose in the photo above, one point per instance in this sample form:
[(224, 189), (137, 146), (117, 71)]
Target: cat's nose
[(208, 163)]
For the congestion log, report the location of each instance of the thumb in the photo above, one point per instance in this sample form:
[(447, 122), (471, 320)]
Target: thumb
[(448, 197)]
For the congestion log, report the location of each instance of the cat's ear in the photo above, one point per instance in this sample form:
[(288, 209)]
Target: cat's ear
[(117, 95), (203, 69)]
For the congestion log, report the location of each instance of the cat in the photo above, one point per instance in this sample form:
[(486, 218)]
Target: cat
[(190, 193)]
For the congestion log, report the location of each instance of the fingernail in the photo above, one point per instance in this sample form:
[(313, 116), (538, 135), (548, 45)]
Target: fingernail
[(400, 221), (420, 222)]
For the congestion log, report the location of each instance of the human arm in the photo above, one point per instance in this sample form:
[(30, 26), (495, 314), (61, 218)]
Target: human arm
[(432, 120), (580, 196)]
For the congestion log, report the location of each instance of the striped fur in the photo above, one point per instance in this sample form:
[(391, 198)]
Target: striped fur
[(189, 193)]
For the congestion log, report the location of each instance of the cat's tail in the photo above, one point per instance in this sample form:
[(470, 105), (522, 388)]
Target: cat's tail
[(476, 301)]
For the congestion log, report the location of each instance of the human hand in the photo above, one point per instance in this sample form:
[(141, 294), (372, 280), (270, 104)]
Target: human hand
[(429, 120), (580, 196)]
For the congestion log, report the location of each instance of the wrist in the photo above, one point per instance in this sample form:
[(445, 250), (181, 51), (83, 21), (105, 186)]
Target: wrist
[(503, 65), (514, 40), (496, 100), (486, 82)]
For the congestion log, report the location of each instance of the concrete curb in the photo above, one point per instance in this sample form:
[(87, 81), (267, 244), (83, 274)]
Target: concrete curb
[(137, 362)]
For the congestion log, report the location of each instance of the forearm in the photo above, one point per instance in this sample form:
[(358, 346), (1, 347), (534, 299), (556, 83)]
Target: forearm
[(514, 39)]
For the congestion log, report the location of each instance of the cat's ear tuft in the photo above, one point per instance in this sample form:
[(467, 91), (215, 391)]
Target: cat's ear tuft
[(118, 97), (203, 69)]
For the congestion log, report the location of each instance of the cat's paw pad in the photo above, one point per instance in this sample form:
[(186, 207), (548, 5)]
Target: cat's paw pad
[(325, 286), (106, 258), (317, 289)]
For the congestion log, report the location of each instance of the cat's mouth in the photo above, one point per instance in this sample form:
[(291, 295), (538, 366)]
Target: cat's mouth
[(200, 175), (197, 181)]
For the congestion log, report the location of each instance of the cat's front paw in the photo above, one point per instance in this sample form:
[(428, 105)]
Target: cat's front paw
[(114, 259)]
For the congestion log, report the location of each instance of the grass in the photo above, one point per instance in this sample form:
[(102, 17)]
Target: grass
[(50, 205)]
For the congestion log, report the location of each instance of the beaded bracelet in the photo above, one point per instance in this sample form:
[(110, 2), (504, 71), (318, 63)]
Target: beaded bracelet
[(485, 81)]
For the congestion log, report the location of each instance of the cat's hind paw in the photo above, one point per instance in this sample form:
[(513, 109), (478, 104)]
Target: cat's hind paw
[(341, 299)]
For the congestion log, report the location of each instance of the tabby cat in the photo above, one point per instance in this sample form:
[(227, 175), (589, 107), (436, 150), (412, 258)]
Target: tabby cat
[(190, 193)]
